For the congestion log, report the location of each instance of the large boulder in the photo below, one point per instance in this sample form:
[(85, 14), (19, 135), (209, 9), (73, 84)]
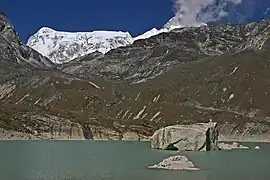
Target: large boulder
[(194, 137)]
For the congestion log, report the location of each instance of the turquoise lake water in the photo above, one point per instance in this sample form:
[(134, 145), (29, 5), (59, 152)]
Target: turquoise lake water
[(119, 160)]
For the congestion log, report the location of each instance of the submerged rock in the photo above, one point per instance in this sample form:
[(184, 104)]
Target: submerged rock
[(194, 137), (175, 163), (224, 146), (131, 136)]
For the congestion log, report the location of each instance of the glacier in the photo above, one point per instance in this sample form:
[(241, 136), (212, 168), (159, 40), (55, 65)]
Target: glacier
[(61, 47)]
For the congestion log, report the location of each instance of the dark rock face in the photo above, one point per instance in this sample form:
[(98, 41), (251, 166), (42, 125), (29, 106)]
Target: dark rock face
[(190, 75), (7, 29), (13, 50)]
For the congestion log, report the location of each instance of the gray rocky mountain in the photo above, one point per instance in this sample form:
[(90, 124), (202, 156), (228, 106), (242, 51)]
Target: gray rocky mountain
[(146, 59), (12, 49)]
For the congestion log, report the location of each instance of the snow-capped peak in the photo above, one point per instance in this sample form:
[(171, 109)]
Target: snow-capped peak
[(45, 30), (62, 47), (172, 24), (147, 34)]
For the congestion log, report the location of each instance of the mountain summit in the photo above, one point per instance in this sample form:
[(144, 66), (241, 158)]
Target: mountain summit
[(61, 47)]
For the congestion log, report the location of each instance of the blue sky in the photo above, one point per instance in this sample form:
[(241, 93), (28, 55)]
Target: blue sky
[(135, 16)]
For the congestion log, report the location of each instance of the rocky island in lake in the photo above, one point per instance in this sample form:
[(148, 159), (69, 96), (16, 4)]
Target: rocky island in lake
[(193, 137), (175, 163)]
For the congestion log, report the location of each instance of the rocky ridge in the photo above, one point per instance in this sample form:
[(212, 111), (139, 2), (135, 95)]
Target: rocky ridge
[(147, 59), (12, 49), (61, 47)]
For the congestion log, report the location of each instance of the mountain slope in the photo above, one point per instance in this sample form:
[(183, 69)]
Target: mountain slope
[(148, 58), (224, 79), (12, 49), (61, 47), (230, 89)]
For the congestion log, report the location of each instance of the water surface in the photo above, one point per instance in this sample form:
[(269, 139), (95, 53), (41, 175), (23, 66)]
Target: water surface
[(119, 160)]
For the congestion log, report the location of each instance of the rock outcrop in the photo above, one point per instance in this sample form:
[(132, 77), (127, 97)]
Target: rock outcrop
[(175, 163), (13, 50), (15, 135), (226, 146), (49, 127), (194, 137)]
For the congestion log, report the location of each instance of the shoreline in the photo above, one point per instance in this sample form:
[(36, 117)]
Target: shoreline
[(259, 138), (101, 140), (104, 140), (6, 135)]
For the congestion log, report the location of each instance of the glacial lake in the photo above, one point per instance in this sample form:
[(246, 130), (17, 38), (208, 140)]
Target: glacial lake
[(119, 160)]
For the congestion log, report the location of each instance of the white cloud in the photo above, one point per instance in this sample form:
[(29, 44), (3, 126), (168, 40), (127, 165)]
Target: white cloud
[(194, 12)]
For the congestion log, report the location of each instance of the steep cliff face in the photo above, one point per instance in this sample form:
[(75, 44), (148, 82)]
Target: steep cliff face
[(187, 76), (7, 29), (14, 51)]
